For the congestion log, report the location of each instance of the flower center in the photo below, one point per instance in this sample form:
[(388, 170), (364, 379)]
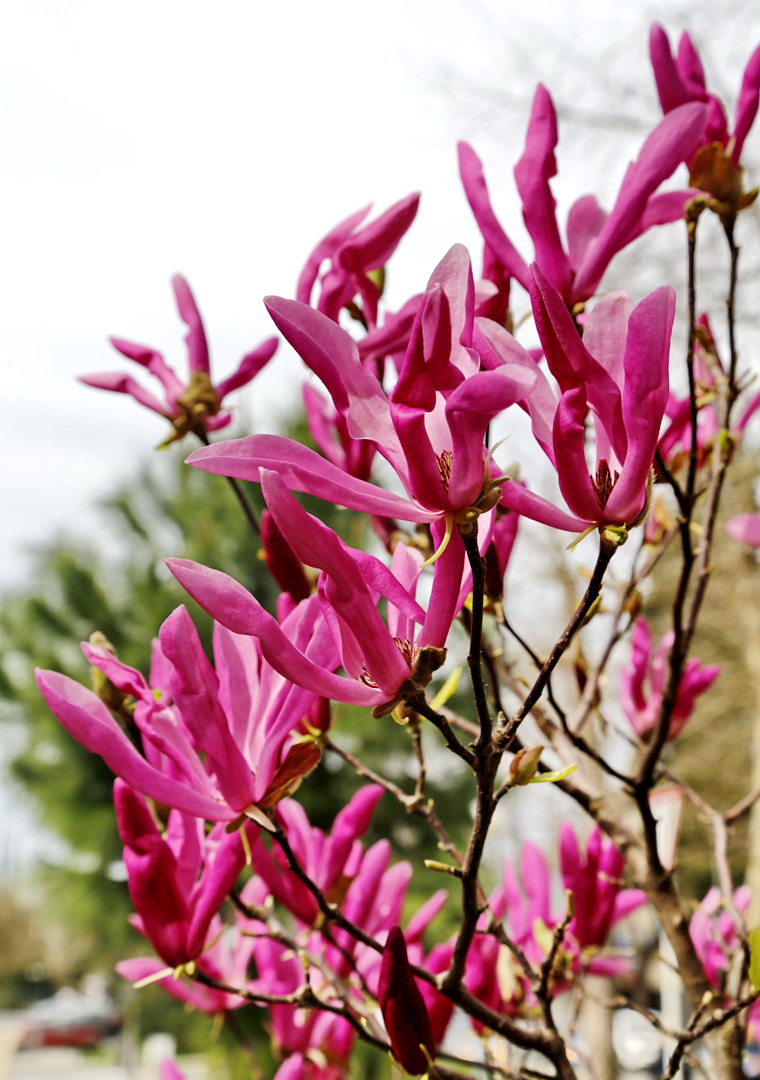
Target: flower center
[(443, 460), (604, 482)]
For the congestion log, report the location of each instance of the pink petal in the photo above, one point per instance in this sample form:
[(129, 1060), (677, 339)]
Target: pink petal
[(746, 529), (533, 172), (746, 109), (249, 367), (674, 140), (473, 181), (195, 339), (125, 384), (302, 470), (325, 249), (233, 606), (86, 718)]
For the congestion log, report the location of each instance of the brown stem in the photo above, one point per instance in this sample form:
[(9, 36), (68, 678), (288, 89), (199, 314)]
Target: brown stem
[(606, 551), (245, 506)]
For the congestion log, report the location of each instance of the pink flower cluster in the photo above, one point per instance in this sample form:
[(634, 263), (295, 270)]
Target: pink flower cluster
[(411, 395)]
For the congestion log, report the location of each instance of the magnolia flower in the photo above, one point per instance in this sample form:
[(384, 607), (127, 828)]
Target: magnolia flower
[(196, 405), (745, 528), (593, 236), (715, 161), (644, 679), (403, 1007), (714, 933), (386, 663), (676, 439), (431, 429), (332, 860), (177, 881), (616, 376), (355, 255), (595, 880), (223, 742)]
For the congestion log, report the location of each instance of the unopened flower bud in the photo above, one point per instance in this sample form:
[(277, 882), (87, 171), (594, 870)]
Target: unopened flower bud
[(403, 1007), (523, 765)]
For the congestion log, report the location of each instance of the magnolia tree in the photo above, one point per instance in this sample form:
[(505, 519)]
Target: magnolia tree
[(243, 901)]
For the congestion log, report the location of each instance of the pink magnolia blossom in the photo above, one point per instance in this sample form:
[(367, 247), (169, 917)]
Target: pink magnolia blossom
[(431, 429), (676, 440), (595, 880), (643, 682), (745, 528), (332, 860), (593, 236), (714, 933), (384, 663), (177, 881), (680, 79), (403, 1007), (618, 375), (594, 877), (217, 743), (196, 405), (353, 253), (524, 902)]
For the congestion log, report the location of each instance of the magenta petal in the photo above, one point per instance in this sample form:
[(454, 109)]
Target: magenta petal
[(571, 363), (195, 689), (347, 589), (674, 140), (195, 339), (233, 606), (746, 109), (645, 395), (517, 498), (473, 181), (218, 879), (469, 411), (333, 356), (251, 364), (350, 823), (670, 87), (533, 172), (572, 467), (584, 223), (325, 249), (626, 901), (124, 384), (302, 470), (745, 528), (153, 361), (86, 718), (372, 246)]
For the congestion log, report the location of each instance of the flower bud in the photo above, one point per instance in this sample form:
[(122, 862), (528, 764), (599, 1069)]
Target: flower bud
[(523, 765), (403, 1007)]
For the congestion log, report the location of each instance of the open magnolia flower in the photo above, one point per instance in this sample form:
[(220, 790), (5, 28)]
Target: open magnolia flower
[(613, 386), (219, 742), (593, 235), (643, 682), (195, 405), (715, 161)]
